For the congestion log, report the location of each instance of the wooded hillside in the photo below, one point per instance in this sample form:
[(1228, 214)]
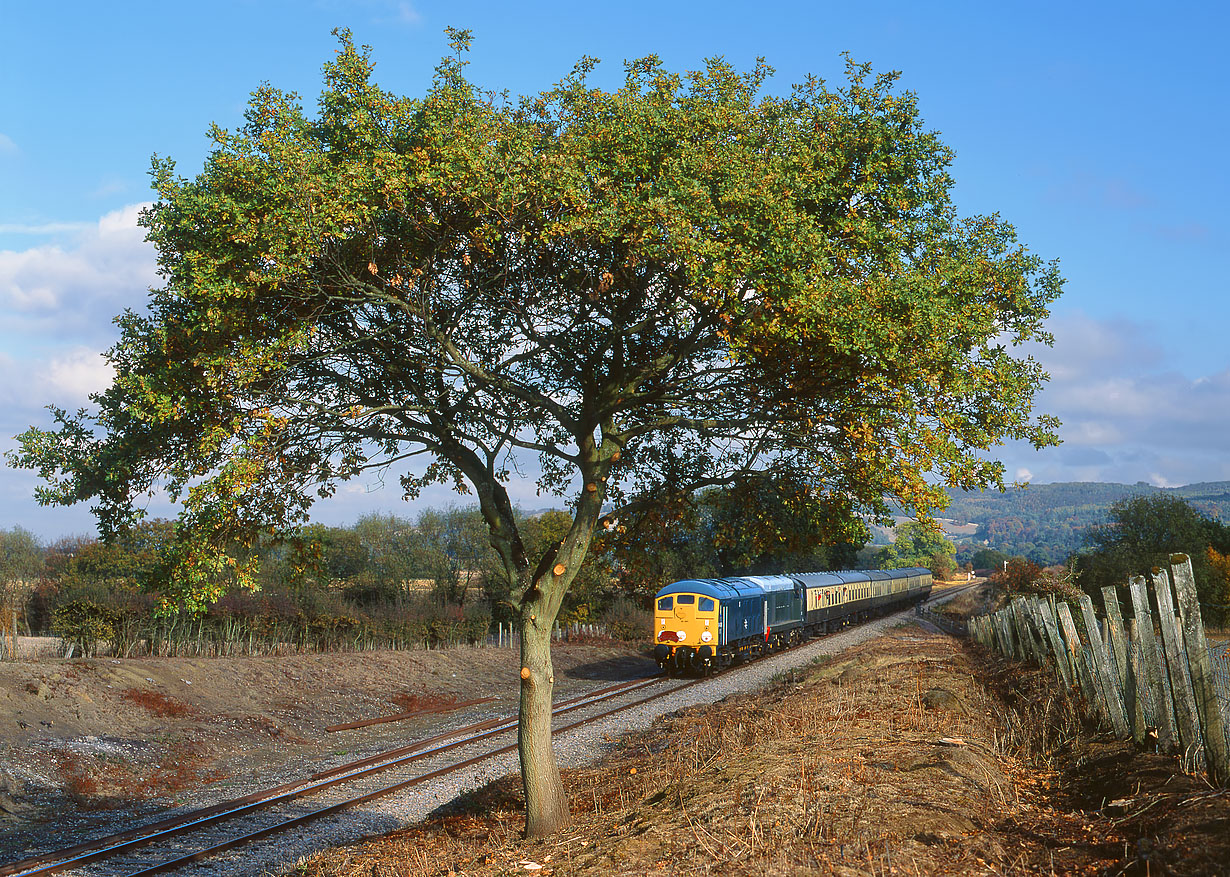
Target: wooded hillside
[(1046, 522)]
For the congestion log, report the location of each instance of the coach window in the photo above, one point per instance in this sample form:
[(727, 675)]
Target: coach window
[(666, 604), (706, 605)]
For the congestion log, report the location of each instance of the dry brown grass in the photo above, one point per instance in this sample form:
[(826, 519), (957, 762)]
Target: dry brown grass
[(838, 771), (426, 702)]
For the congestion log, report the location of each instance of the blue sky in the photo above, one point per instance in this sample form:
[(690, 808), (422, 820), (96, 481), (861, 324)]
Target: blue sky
[(1098, 130)]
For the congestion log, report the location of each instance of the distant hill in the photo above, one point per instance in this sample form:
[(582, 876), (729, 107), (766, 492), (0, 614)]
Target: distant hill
[(1046, 522)]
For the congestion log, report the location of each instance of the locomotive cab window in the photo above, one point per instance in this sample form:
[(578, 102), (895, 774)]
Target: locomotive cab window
[(666, 603), (706, 605), (685, 599)]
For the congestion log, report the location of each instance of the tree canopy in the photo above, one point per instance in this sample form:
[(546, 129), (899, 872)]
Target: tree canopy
[(1141, 534), (918, 544), (681, 283), (21, 556)]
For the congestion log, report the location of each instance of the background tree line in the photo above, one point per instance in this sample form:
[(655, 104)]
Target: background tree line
[(386, 581), (392, 581)]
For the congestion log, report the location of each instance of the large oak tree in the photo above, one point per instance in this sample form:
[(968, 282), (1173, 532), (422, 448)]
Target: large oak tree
[(681, 283)]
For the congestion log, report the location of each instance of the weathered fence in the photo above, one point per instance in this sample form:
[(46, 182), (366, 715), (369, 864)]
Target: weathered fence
[(943, 622), (1156, 676), (508, 636)]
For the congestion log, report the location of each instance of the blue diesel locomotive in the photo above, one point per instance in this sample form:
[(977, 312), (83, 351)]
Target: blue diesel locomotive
[(706, 624)]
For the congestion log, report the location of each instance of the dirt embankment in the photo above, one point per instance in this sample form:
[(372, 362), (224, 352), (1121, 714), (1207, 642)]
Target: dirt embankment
[(82, 736), (907, 755)]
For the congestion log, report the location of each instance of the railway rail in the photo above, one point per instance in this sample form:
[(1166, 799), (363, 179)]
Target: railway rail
[(201, 834), (127, 854)]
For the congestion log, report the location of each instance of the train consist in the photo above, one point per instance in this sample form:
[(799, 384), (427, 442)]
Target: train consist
[(706, 624)]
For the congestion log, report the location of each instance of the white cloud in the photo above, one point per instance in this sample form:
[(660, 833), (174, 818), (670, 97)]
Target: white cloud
[(1107, 347), (1090, 432), (407, 14), (57, 301), (380, 11), (1090, 188), (108, 187), (75, 287), (1127, 415), (64, 378), (1187, 233), (123, 222), (77, 374)]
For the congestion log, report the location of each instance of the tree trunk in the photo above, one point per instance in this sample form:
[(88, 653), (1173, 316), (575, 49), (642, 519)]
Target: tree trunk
[(546, 805)]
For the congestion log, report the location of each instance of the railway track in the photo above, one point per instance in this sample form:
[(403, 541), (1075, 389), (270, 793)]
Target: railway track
[(173, 843), (207, 832)]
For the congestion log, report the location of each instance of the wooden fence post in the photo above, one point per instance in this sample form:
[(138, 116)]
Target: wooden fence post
[(984, 632), (1062, 656), (1115, 633), (1043, 642), (1107, 681), (1162, 714), (1045, 645), (1003, 623), (1135, 691), (1080, 659), (1216, 750), (992, 634), (1026, 632), (1118, 646), (1186, 716)]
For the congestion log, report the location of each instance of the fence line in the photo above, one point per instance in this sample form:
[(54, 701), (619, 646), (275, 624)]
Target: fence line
[(1174, 686), (943, 622), (507, 636)]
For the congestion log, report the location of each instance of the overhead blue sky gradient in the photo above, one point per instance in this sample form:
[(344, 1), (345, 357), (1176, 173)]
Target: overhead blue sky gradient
[(1098, 130)]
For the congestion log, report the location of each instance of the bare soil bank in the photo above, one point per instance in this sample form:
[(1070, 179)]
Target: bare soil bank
[(84, 744), (907, 755)]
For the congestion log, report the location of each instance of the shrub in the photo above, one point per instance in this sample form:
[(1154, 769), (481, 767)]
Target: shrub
[(625, 620), (83, 624), (477, 623), (1018, 576)]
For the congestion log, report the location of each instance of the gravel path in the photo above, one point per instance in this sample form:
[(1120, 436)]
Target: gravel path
[(580, 746)]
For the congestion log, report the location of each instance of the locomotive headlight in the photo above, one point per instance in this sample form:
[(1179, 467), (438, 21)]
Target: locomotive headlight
[(682, 634), (706, 636)]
